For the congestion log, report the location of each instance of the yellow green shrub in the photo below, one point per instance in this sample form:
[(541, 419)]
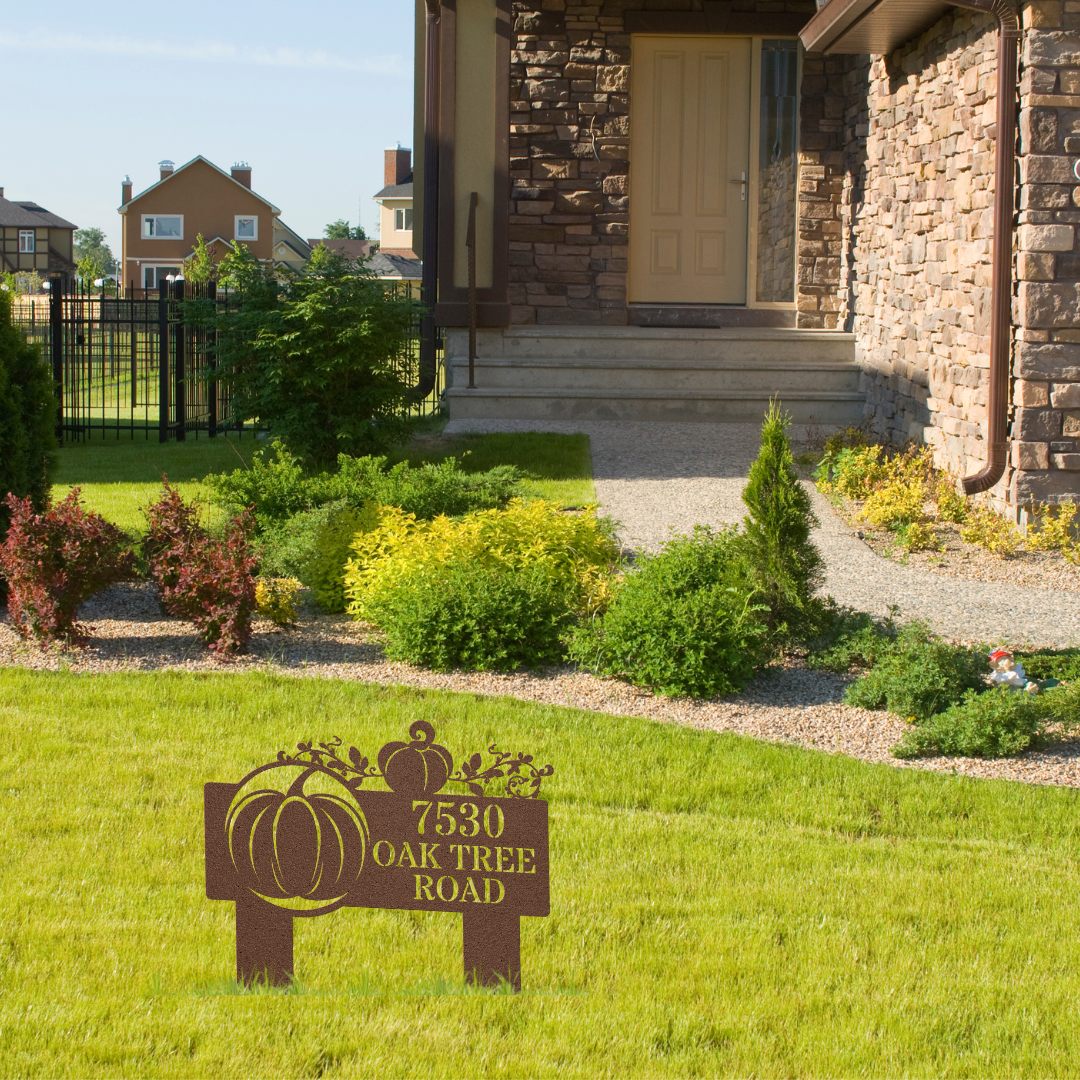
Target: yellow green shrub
[(576, 550), (919, 536), (951, 505), (1057, 531), (324, 572), (898, 502), (275, 599), (990, 531)]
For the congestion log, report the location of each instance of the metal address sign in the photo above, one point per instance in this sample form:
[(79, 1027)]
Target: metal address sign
[(298, 837)]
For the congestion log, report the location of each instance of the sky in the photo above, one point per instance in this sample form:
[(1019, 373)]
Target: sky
[(309, 92)]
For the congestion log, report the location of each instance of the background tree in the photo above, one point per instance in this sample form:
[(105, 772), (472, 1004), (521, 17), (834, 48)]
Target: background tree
[(90, 248), (340, 230), (313, 357)]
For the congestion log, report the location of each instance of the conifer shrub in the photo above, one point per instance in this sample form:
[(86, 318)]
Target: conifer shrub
[(686, 621), (27, 419), (785, 566), (54, 561), (206, 580)]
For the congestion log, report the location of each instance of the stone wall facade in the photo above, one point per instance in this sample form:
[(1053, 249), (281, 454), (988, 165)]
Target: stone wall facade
[(917, 218), (570, 157)]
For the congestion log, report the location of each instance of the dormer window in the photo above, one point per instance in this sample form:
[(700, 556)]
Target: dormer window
[(163, 226), (247, 228)]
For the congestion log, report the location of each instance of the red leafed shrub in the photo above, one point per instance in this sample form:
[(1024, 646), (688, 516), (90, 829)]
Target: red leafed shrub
[(56, 560), (203, 579)]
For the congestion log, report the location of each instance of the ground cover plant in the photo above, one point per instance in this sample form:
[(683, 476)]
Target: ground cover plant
[(720, 906)]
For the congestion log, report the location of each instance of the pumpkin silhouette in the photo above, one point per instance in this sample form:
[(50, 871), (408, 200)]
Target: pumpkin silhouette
[(419, 767), (288, 844)]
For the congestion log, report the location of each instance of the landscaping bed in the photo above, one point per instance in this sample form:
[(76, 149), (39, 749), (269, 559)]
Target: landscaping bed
[(789, 703)]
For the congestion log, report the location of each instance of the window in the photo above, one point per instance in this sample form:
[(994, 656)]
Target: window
[(26, 241), (403, 220), (163, 226), (247, 228), (152, 276)]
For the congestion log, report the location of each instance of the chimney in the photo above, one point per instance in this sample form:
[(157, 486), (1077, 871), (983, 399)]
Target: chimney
[(125, 191), (398, 164), (166, 168), (241, 173), (1, 192)]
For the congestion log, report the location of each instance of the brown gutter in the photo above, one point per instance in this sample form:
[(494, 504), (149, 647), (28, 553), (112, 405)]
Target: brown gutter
[(430, 253), (997, 406)]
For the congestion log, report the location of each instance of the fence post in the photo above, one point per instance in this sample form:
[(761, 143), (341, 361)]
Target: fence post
[(180, 331), (163, 361), (211, 361), (56, 347)]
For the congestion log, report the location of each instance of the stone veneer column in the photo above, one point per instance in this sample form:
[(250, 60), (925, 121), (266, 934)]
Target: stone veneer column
[(1046, 390)]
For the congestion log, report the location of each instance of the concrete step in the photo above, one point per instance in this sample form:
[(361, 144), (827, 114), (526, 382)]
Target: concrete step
[(658, 344), (825, 407), (715, 377)]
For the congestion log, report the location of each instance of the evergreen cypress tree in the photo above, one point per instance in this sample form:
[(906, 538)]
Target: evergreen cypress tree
[(786, 565), (27, 417)]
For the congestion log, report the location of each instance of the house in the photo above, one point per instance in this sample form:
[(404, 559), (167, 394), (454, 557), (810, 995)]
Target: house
[(351, 249), (34, 240), (683, 206), (396, 204), (160, 224)]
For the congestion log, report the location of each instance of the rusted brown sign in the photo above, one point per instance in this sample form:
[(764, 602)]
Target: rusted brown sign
[(298, 837)]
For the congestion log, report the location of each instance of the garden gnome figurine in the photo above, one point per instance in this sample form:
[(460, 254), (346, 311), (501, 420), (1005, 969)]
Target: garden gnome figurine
[(1007, 671)]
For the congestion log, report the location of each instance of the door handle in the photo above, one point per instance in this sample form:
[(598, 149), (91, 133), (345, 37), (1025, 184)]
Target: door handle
[(742, 192)]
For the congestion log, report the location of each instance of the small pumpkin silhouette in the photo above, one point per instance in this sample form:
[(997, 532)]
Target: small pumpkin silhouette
[(416, 768), (288, 844)]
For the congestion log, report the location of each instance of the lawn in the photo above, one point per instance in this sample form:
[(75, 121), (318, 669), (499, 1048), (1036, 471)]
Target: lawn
[(720, 906), (120, 477)]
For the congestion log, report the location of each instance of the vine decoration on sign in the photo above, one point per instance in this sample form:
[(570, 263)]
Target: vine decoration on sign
[(420, 766)]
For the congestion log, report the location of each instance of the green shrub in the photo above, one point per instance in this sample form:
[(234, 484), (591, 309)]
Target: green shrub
[(278, 487), (998, 723), (850, 639), (1061, 664), (324, 571), (470, 615), (684, 622), (27, 419), (785, 565), (275, 599), (919, 675), (853, 471), (316, 357)]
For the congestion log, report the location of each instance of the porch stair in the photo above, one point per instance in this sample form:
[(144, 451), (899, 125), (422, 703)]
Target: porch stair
[(652, 373)]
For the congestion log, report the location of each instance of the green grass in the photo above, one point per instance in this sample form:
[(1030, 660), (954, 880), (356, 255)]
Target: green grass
[(121, 477), (720, 906)]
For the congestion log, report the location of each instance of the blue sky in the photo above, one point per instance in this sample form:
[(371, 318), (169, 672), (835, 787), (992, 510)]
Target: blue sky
[(309, 92)]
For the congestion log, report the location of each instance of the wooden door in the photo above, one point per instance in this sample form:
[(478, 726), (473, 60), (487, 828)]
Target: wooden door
[(689, 165)]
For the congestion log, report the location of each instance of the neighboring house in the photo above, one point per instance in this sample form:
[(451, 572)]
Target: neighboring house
[(396, 204), (160, 224), (680, 211), (32, 239), (351, 249)]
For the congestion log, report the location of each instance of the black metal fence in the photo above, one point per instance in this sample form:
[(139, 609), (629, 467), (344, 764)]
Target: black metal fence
[(132, 365)]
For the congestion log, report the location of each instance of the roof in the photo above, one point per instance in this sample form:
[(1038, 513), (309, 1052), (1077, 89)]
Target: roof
[(188, 164), (30, 215), (397, 191), (353, 249), (874, 26), (397, 266)]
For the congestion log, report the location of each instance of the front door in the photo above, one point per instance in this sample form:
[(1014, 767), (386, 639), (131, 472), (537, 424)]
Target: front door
[(689, 163)]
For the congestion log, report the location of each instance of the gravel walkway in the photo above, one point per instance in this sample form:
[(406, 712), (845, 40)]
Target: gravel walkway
[(660, 478), (655, 479)]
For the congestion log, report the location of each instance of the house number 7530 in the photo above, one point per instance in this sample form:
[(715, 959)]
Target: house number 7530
[(446, 824)]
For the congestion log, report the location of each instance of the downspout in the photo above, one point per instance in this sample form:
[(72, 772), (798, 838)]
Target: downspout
[(429, 280), (997, 407)]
